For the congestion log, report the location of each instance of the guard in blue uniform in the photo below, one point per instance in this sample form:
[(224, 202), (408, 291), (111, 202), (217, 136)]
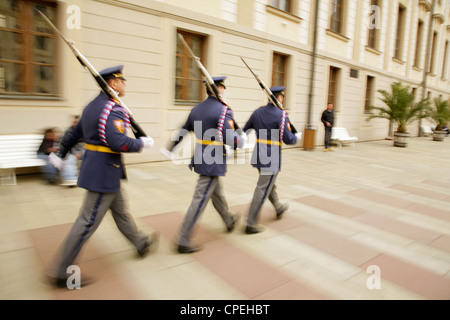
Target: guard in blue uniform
[(272, 128), (213, 126), (103, 127)]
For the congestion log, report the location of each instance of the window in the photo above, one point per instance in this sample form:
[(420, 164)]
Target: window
[(444, 63), (399, 35), (369, 93), (285, 5), (28, 59), (433, 53), (418, 43), (279, 71), (374, 14), (337, 15), (279, 68), (189, 88), (332, 86)]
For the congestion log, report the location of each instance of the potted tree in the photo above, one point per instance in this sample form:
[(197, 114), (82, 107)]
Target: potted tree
[(400, 109), (440, 114)]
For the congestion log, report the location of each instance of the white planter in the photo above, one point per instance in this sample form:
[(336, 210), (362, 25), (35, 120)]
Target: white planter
[(439, 135), (401, 139)]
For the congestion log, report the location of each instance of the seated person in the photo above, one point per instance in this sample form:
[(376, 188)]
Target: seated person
[(49, 144)]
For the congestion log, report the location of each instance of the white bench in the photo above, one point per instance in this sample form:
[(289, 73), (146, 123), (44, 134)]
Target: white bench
[(18, 151), (426, 131), (340, 136)]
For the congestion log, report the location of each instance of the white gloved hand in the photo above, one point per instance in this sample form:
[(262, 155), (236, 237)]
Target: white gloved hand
[(228, 150), (298, 135), (56, 161), (244, 137), (166, 153), (147, 142)]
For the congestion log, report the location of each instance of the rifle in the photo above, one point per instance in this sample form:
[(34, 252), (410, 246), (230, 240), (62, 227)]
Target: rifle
[(269, 93), (136, 128), (208, 79)]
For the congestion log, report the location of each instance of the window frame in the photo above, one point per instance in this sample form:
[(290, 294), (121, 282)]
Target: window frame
[(187, 97), (434, 48), (333, 83), (373, 34), (419, 41), (400, 34), (338, 22), (370, 83), (279, 75), (289, 8), (445, 60), (27, 89)]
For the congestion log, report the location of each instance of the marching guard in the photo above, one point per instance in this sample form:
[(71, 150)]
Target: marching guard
[(103, 127), (272, 127), (213, 126)]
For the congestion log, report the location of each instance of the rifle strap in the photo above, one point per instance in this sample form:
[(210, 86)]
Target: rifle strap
[(221, 122), (283, 122)]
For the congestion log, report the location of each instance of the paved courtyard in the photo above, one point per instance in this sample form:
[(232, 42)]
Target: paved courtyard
[(366, 222)]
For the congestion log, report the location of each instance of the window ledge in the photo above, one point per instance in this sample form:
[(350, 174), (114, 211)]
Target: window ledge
[(25, 97), (337, 35), (417, 68), (397, 60), (184, 105), (283, 14), (373, 50)]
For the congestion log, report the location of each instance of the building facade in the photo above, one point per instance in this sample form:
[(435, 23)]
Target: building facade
[(342, 51)]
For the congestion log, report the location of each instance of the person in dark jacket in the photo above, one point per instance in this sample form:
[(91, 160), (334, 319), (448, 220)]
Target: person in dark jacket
[(103, 126), (213, 126), (272, 128), (328, 122), (48, 145)]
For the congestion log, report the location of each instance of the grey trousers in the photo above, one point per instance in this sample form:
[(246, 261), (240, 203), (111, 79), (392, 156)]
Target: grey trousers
[(91, 215), (207, 188), (265, 188)]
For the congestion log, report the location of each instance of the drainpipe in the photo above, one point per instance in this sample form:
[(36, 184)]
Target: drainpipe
[(308, 142), (427, 58), (313, 68)]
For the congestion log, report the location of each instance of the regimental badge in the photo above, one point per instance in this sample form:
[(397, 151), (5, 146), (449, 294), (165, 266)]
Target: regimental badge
[(119, 125), (231, 123), (289, 126)]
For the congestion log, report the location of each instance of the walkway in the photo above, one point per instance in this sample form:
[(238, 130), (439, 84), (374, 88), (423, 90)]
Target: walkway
[(365, 222)]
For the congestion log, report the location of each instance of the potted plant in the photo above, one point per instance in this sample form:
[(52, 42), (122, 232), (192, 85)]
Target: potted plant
[(440, 114), (400, 109)]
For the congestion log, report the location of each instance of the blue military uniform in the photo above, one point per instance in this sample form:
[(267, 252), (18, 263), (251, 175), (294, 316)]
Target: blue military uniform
[(213, 126), (103, 127), (272, 128)]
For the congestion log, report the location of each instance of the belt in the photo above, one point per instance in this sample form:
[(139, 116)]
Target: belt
[(277, 143), (208, 142), (97, 148)]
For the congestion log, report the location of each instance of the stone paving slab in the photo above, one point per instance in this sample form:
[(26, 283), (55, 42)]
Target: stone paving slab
[(369, 222)]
